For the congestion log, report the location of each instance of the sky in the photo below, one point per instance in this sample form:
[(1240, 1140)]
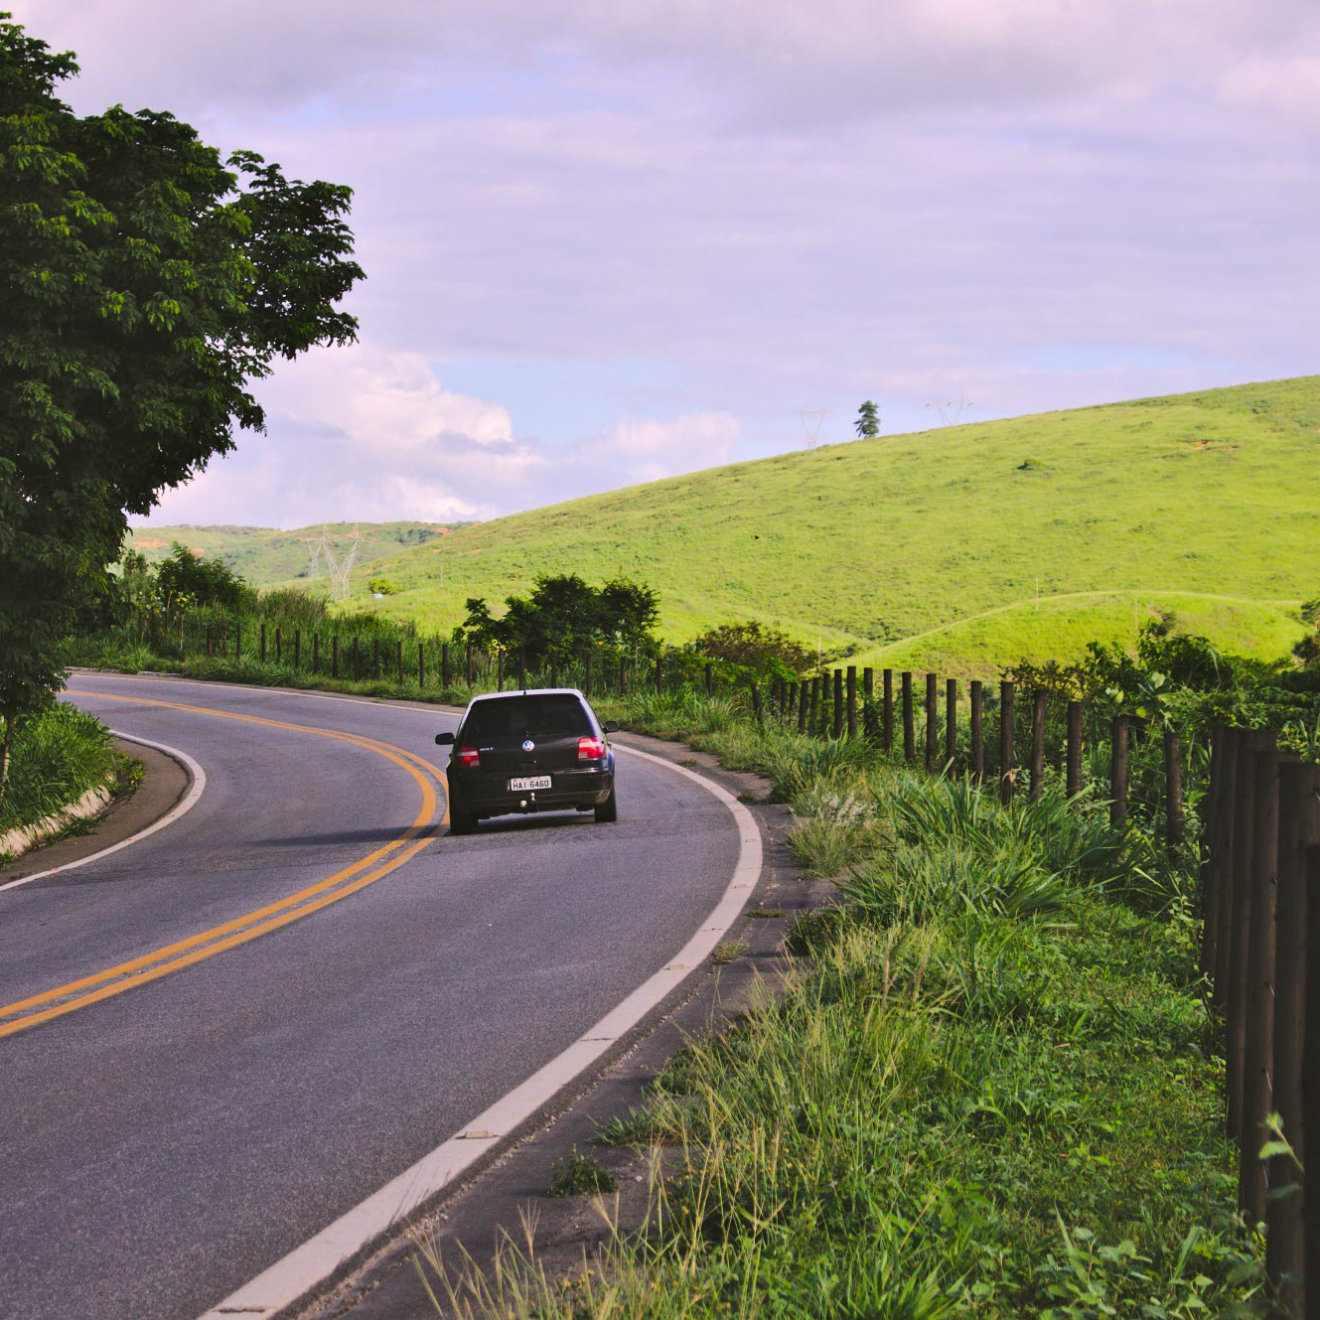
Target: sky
[(608, 241)]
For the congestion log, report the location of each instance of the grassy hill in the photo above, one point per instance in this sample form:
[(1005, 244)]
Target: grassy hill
[(266, 555), (977, 543)]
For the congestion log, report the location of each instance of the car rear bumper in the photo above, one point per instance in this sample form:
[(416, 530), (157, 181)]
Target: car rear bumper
[(569, 790)]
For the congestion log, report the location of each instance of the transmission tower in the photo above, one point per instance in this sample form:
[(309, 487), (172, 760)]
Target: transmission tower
[(338, 569), (812, 419)]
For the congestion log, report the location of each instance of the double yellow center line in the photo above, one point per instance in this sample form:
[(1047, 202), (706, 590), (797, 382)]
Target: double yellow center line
[(87, 990)]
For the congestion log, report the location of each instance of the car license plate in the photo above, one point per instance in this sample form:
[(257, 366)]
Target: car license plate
[(529, 783)]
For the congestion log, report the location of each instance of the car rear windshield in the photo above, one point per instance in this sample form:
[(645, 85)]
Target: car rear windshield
[(507, 717)]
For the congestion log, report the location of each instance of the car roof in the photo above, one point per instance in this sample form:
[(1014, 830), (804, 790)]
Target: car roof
[(527, 692), (519, 693)]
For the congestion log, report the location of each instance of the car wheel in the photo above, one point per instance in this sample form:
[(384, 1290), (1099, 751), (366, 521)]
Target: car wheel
[(462, 822), (608, 810)]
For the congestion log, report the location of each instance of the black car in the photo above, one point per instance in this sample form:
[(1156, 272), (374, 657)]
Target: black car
[(537, 750)]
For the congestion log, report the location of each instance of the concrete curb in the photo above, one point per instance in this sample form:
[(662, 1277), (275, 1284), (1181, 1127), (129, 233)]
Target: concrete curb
[(22, 838)]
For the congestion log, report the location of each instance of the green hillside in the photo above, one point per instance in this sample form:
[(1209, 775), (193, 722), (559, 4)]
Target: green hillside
[(955, 548), (266, 555), (1204, 505)]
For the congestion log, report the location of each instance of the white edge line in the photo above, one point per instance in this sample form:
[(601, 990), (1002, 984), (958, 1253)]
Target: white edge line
[(180, 808), (300, 1272)]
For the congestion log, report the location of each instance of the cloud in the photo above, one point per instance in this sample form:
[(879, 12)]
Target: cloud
[(776, 206), (648, 450), (782, 58), (1287, 85), (360, 433), (365, 434)]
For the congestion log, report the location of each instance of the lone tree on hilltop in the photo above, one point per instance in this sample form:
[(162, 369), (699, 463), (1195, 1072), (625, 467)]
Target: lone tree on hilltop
[(868, 420), (144, 282)]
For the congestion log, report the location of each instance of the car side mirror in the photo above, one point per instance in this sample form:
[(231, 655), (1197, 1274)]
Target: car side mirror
[(444, 739), (611, 726)]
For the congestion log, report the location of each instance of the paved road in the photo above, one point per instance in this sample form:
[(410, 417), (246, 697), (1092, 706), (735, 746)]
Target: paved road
[(165, 1144)]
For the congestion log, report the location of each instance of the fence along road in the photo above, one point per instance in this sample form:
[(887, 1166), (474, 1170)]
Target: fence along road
[(167, 1144)]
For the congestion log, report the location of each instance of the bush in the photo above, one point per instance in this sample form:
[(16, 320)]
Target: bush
[(56, 757)]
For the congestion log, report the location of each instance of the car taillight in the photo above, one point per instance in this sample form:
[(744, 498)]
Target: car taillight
[(468, 756), (591, 749)]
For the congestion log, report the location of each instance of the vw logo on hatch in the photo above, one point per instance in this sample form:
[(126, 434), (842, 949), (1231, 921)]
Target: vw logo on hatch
[(528, 745)]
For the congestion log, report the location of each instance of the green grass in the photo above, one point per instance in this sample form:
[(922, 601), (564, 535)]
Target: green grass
[(1059, 628), (56, 758), (989, 1094), (579, 1175), (267, 555), (1205, 504)]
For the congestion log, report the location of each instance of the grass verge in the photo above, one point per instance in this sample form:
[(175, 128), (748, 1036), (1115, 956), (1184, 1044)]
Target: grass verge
[(56, 758), (989, 1089)]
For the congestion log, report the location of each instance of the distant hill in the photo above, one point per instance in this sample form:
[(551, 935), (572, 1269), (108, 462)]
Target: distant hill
[(978, 543), (266, 555)]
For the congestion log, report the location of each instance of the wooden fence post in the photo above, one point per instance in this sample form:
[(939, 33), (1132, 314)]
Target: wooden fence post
[(887, 714), (1225, 849), (837, 710), (1258, 1056), (334, 656), (316, 653), (1210, 867), (444, 665), (623, 676), (1239, 928), (1299, 830), (398, 659), (932, 723), (1038, 704), (869, 728), (421, 664), (756, 701), (1007, 766), (1174, 830), (852, 701), (909, 720), (803, 687), (950, 724), (499, 671), (471, 677), (1118, 772), (710, 679), (1073, 779), (554, 673), (263, 642), (659, 675), (1311, 1061), (976, 728), (210, 643), (279, 646), (297, 648), (815, 705), (238, 639)]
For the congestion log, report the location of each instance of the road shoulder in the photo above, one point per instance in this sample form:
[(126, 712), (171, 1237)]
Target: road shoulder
[(164, 782), (479, 1217)]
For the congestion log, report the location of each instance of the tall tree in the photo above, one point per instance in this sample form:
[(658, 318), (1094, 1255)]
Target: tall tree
[(868, 420), (144, 282)]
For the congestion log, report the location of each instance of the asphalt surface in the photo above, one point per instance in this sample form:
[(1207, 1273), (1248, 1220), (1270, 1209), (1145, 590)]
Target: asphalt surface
[(167, 1144)]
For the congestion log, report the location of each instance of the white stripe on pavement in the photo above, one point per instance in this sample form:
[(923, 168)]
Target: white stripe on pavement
[(307, 1267)]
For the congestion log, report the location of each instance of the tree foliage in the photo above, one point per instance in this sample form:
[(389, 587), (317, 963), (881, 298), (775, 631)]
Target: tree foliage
[(761, 651), (562, 614), (145, 283), (868, 420), (185, 575)]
